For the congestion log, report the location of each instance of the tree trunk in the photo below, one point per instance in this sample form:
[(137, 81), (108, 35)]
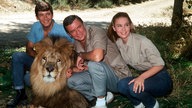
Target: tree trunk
[(177, 17)]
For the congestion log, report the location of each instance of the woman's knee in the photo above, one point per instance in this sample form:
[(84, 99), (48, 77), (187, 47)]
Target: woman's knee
[(123, 86)]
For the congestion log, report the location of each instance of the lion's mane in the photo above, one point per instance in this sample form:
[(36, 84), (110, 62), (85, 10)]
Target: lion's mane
[(48, 75)]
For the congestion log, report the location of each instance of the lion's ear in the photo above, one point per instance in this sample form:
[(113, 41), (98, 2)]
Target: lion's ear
[(43, 44), (37, 47), (64, 45)]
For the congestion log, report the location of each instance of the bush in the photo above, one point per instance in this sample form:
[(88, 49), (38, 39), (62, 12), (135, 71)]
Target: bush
[(105, 4)]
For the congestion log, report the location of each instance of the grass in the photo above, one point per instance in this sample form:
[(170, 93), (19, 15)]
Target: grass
[(180, 70)]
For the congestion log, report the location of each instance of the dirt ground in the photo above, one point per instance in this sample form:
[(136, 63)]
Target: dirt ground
[(17, 17)]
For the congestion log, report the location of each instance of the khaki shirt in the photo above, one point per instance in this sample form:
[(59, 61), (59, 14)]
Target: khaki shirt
[(97, 38), (139, 52)]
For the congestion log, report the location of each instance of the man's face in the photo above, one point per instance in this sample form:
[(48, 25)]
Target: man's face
[(45, 18), (77, 30)]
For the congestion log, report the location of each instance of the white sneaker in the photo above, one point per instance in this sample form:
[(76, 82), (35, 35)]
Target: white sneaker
[(109, 97), (100, 103), (99, 107), (156, 104), (140, 106)]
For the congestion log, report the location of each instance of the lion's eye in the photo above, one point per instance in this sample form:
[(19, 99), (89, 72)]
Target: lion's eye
[(58, 60), (44, 58)]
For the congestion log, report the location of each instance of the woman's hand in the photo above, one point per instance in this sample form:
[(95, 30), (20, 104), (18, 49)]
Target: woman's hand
[(138, 86)]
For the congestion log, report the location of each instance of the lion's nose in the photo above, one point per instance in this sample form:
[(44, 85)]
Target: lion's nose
[(50, 68)]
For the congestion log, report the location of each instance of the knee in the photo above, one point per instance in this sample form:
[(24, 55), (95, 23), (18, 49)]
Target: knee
[(17, 56), (122, 85), (95, 67), (131, 92), (73, 82), (125, 88)]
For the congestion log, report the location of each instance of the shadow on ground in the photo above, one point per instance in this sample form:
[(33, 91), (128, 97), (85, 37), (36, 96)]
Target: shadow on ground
[(16, 37)]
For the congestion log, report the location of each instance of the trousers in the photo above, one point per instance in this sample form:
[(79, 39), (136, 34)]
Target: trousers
[(156, 86), (94, 82), (21, 62)]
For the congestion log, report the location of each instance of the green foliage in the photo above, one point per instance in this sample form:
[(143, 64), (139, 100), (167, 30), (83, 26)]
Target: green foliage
[(120, 101), (105, 4), (5, 71), (5, 79), (181, 43), (59, 4), (82, 4), (5, 55)]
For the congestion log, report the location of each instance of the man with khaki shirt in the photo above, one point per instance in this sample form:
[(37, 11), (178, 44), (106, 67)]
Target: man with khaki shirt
[(99, 64)]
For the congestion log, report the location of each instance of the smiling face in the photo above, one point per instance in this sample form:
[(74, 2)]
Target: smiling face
[(45, 18), (122, 27), (77, 30)]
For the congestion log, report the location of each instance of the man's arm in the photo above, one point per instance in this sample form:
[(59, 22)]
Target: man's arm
[(29, 49), (96, 55)]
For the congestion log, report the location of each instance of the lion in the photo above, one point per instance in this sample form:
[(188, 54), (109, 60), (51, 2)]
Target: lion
[(55, 56)]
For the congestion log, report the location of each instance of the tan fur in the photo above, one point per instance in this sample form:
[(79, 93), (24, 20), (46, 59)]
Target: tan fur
[(54, 57)]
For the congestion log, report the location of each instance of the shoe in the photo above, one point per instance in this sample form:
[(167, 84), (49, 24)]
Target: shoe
[(140, 106), (156, 104), (109, 97), (21, 97), (100, 103), (99, 107)]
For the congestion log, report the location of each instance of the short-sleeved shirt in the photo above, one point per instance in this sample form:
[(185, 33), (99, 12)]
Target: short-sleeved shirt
[(139, 52), (97, 38), (36, 33)]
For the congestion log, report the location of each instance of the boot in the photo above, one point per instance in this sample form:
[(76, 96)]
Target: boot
[(20, 96)]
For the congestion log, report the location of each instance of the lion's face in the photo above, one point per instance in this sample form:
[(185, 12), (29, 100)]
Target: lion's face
[(52, 65), (48, 71)]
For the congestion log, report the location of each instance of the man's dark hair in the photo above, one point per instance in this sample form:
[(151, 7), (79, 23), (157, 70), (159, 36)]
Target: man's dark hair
[(69, 20), (43, 6)]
